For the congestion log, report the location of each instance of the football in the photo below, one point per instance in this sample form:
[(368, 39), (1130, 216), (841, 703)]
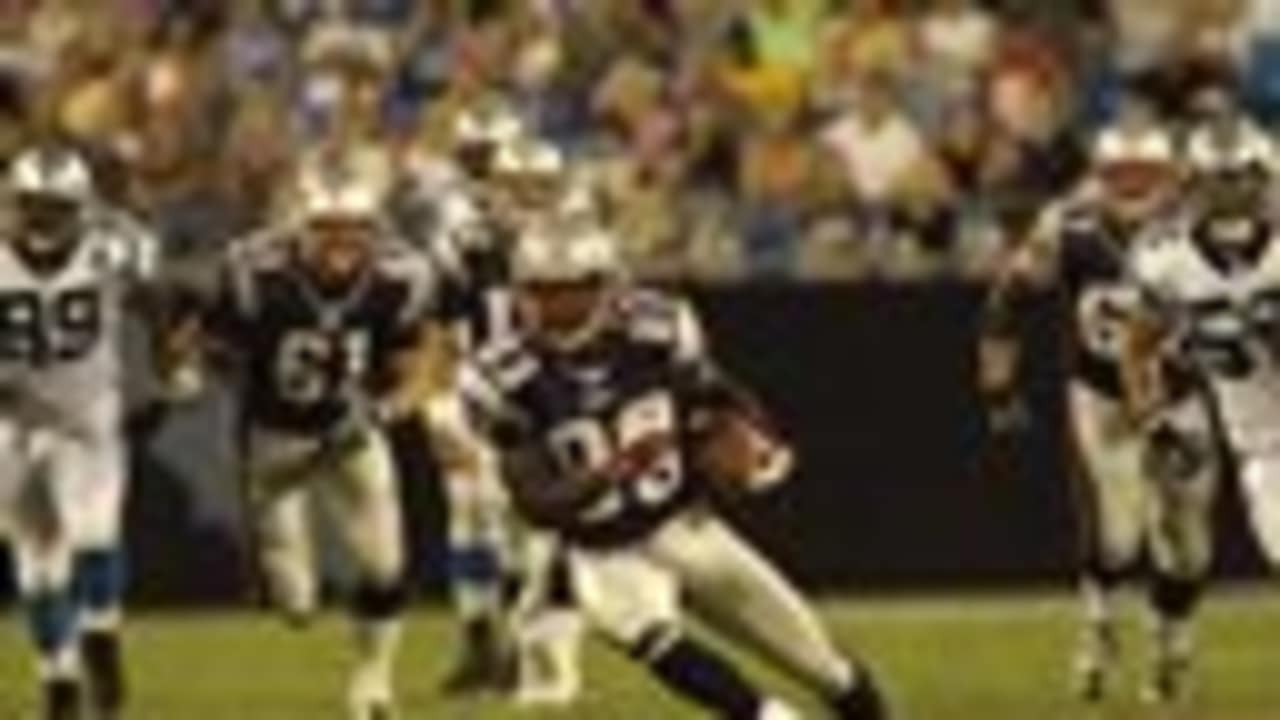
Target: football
[(740, 453)]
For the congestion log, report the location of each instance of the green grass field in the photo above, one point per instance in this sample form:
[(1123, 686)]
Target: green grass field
[(991, 658)]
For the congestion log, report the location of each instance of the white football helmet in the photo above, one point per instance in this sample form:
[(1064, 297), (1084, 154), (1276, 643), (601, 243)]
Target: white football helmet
[(565, 274), (52, 172), (1231, 168), (1135, 168), (528, 178), (51, 189), (339, 217), (479, 132)]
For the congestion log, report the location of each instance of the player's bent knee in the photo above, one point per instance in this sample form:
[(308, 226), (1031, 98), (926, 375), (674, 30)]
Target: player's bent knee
[(379, 601), (1175, 597)]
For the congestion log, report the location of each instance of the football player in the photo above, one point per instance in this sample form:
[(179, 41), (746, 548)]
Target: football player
[(1215, 287), (1133, 493), (330, 320), (68, 267), (470, 249), (614, 426), (520, 178)]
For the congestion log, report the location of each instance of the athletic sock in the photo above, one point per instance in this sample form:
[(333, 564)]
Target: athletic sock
[(699, 674), (377, 631), (862, 700)]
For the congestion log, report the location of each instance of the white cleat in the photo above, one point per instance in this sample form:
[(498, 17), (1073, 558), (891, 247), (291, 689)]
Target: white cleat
[(549, 675), (548, 662), (774, 709), (370, 698), (1094, 661)]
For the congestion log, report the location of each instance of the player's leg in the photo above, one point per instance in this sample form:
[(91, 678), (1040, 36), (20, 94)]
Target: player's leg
[(1260, 481), (477, 537), (547, 625), (737, 590), (1113, 501), (634, 602), (44, 555), (1183, 464), (95, 467), (280, 513), (363, 497)]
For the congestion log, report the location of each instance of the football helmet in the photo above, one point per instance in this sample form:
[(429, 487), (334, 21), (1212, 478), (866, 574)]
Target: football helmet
[(478, 133), (339, 219), (51, 189), (1231, 169), (566, 275), (1135, 169)]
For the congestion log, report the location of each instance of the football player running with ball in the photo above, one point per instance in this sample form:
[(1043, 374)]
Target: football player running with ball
[(329, 322), (614, 426)]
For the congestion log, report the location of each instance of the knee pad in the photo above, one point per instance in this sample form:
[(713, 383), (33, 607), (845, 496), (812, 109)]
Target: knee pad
[(1103, 570), (475, 563), (379, 601), (1175, 597), (51, 619), (100, 578)]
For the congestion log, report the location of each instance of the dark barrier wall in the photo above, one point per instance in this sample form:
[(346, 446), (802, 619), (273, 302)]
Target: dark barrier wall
[(898, 484)]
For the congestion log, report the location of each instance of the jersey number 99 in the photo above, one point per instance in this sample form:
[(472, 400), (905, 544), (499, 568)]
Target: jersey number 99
[(42, 329)]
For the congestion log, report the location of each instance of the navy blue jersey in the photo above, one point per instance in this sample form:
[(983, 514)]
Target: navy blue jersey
[(1093, 266), (306, 356), (644, 377)]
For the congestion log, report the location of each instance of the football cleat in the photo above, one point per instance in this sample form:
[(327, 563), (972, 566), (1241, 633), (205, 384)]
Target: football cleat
[(104, 669), (485, 665), (370, 697), (62, 700), (1171, 669), (1168, 682), (774, 709), (548, 671), (1098, 651)]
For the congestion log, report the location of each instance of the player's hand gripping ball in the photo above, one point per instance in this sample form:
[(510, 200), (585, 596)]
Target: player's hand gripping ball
[(739, 453)]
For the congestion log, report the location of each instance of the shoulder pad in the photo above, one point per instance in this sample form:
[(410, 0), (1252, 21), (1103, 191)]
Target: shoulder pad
[(650, 315), (398, 262), (507, 362)]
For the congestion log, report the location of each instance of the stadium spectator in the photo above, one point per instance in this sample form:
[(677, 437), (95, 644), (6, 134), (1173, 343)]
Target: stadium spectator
[(891, 172)]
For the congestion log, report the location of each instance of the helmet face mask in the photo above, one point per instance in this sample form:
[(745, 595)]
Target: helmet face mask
[(49, 225), (1232, 192), (336, 249), (564, 314)]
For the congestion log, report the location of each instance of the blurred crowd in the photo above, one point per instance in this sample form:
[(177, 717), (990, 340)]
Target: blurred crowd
[(820, 139)]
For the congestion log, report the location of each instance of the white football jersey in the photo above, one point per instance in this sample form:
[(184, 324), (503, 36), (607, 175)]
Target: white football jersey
[(1226, 315), (61, 345)]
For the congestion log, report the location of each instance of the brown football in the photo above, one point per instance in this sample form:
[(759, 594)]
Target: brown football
[(735, 450)]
